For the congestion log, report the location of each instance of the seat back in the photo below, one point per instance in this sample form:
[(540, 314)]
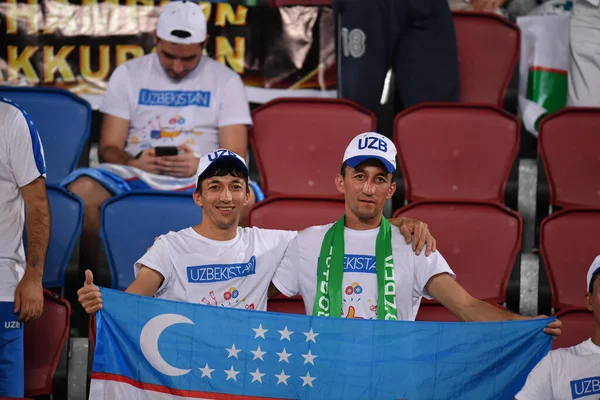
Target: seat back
[(568, 245), (435, 312), (67, 218), (479, 240), (295, 212), (307, 136), (44, 341), (444, 150), (130, 222), (63, 121), (578, 325), (488, 51), (568, 146), (287, 305)]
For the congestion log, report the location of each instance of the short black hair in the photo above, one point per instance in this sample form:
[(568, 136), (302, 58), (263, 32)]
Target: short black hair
[(343, 171), (594, 276), (222, 169)]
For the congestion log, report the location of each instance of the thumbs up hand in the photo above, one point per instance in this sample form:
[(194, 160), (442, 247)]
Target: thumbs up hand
[(89, 295)]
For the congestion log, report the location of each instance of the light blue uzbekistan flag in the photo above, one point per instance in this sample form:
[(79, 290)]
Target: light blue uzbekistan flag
[(157, 349)]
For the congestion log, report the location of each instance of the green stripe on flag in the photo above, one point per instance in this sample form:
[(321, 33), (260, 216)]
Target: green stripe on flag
[(548, 88)]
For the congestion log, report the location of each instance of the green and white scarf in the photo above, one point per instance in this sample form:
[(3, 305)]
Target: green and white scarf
[(328, 301)]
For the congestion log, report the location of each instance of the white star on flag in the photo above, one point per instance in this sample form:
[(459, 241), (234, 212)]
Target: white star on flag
[(233, 352), (310, 335), (307, 380), (308, 358), (232, 374), (285, 334), (260, 332), (283, 356), (258, 353), (282, 378), (206, 371), (256, 375)]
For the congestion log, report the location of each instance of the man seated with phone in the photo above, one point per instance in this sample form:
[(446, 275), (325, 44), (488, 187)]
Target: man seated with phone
[(161, 113)]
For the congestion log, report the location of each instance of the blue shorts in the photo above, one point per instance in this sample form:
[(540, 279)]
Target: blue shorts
[(117, 185), (12, 363)]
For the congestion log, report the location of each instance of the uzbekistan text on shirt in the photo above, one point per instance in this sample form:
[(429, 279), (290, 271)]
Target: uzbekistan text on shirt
[(174, 98), (223, 272), (585, 387)]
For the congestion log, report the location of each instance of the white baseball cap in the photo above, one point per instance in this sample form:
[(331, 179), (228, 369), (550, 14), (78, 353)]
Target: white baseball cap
[(221, 156), (184, 16), (369, 145), (594, 269)]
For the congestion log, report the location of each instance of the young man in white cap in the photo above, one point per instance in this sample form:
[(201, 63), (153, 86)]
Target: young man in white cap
[(357, 267), (23, 203), (215, 262), (573, 372), (161, 113)]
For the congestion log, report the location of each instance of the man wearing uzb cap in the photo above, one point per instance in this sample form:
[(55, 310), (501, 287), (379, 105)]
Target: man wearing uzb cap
[(216, 262), (359, 267), (161, 113), (573, 372)]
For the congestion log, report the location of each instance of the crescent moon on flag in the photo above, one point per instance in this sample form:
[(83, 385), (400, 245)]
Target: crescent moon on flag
[(149, 342)]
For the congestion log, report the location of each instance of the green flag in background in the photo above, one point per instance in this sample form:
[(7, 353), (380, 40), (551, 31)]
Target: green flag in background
[(544, 66), (547, 87)]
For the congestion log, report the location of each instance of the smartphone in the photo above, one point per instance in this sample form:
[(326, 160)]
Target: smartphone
[(166, 151)]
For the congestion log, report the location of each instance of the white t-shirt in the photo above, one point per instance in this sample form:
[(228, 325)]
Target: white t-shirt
[(21, 162), (569, 373), (233, 273), (297, 272), (165, 112)]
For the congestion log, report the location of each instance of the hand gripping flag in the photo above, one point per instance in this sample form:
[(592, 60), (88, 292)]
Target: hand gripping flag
[(158, 349)]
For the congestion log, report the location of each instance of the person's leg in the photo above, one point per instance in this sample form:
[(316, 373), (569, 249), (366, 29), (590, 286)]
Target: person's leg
[(364, 50), (425, 55), (93, 195), (584, 73), (12, 371)]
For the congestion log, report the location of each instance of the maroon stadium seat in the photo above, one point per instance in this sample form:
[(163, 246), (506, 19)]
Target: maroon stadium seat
[(308, 137), (488, 52), (568, 145), (282, 304), (480, 241), (45, 339), (456, 151), (578, 325), (568, 245), (435, 312), (295, 212)]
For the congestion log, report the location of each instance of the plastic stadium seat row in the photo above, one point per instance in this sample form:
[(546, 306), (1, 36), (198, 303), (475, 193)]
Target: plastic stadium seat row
[(445, 150), (63, 121)]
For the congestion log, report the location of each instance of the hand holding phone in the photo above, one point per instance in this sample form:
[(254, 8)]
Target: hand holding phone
[(162, 151), (182, 165)]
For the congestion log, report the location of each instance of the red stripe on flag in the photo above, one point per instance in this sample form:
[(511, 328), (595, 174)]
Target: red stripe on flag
[(188, 187), (554, 70), (194, 394)]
